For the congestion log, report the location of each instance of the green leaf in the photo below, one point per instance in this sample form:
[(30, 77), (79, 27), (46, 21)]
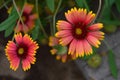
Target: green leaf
[(61, 49), (83, 4), (51, 5), (111, 22), (106, 3), (112, 64), (106, 13), (109, 3), (10, 20), (20, 3), (9, 30), (35, 31), (110, 28), (117, 2), (80, 3), (4, 25), (13, 12)]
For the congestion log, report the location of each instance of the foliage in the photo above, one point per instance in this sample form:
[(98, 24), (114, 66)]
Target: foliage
[(112, 64)]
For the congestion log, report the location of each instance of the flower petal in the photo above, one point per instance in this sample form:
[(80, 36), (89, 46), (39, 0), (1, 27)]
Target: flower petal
[(87, 47), (19, 28), (33, 16), (27, 40), (30, 24), (14, 63), (11, 46), (93, 41), (28, 8), (75, 16), (69, 17), (72, 47), (53, 41), (90, 16), (73, 56), (96, 26), (18, 38), (25, 64), (32, 48), (31, 59), (79, 49), (66, 40), (53, 51), (98, 34), (63, 33), (63, 25), (82, 14), (64, 58), (12, 55), (25, 29)]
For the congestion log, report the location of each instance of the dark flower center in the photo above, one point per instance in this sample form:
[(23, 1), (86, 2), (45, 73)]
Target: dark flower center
[(22, 50), (79, 31), (25, 17)]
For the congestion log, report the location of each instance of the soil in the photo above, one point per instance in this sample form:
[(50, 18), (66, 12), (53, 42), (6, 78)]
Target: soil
[(47, 68)]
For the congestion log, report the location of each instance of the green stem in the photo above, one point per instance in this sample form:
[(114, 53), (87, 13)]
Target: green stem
[(54, 16), (5, 3), (41, 26), (51, 29), (18, 20), (86, 5), (18, 13), (109, 48), (111, 61), (98, 11)]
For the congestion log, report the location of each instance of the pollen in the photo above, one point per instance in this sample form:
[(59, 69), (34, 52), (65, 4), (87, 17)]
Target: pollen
[(20, 51), (78, 31)]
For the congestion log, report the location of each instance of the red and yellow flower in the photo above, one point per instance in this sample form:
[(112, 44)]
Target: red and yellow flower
[(78, 33), (28, 19), (59, 51), (22, 50)]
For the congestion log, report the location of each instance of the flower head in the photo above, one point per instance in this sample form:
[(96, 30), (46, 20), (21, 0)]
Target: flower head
[(78, 33), (23, 49), (59, 51), (28, 19)]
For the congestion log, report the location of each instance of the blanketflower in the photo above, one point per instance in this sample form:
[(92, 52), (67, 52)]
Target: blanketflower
[(23, 50), (28, 19), (59, 51), (78, 33)]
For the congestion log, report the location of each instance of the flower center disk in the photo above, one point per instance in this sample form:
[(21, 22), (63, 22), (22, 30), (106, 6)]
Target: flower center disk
[(78, 31), (20, 51)]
